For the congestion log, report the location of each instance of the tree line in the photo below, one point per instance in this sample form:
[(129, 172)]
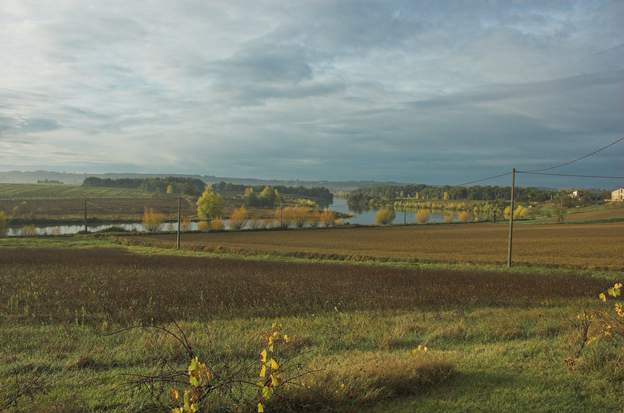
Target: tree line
[(373, 197), (171, 184), (267, 196)]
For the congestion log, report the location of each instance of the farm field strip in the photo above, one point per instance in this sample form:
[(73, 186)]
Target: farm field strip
[(590, 246)]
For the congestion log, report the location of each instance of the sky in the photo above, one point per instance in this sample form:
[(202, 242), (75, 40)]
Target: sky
[(437, 92)]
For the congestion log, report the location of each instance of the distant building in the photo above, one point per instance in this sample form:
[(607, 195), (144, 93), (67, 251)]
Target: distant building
[(618, 195), (576, 194)]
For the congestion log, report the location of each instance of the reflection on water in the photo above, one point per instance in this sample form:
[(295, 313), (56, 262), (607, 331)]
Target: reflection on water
[(368, 217), (339, 205)]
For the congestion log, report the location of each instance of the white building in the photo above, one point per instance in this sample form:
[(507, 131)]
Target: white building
[(618, 195)]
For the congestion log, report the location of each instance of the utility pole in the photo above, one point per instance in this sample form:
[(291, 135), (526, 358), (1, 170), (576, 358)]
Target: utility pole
[(84, 205), (179, 223), (511, 216)]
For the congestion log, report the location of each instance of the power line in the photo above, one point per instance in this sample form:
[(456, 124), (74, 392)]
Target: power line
[(571, 175), (484, 179), (535, 171), (580, 158)]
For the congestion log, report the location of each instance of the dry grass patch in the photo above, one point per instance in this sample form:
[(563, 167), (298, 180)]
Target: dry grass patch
[(362, 378)]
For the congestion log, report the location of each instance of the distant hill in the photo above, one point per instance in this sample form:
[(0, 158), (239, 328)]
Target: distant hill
[(29, 177)]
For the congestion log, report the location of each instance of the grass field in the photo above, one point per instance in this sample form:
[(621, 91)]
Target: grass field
[(505, 334), (46, 203), (609, 212), (593, 246)]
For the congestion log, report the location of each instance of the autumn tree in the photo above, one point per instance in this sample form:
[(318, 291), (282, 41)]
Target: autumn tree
[(3, 223), (238, 218), (152, 220), (327, 217), (385, 216), (209, 205)]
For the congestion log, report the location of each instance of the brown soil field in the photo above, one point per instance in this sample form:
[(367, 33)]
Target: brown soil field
[(591, 246), (92, 285)]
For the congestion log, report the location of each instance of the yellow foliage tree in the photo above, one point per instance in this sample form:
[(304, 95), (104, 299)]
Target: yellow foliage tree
[(463, 216), (169, 189), (4, 223), (314, 218), (152, 220), (217, 224), (327, 217), (422, 216), (238, 218), (384, 216), (185, 223), (448, 217), (203, 226), (209, 205)]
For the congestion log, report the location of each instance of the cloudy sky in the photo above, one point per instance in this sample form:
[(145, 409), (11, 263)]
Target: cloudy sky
[(417, 91)]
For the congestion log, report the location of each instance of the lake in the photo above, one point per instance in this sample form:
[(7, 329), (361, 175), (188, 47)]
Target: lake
[(339, 205)]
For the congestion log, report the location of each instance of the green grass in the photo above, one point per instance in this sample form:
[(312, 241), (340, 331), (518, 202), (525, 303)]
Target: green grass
[(506, 359), (507, 349), (66, 191)]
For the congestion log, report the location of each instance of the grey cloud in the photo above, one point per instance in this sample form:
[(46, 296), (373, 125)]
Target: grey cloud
[(430, 91)]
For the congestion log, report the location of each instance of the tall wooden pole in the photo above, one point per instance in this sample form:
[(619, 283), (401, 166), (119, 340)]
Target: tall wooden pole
[(511, 216), (179, 223), (84, 207), (404, 216)]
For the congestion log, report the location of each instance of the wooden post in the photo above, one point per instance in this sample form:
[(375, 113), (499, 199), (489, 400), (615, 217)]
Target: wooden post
[(404, 216), (179, 223), (84, 205), (511, 216)]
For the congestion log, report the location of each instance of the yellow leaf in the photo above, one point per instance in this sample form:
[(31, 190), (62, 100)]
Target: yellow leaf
[(602, 297), (274, 365), (263, 371), (263, 356), (274, 381), (260, 408), (175, 394)]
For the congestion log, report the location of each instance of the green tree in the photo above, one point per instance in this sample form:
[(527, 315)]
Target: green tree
[(209, 205), (267, 197)]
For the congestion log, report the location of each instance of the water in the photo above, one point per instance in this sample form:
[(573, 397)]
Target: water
[(368, 217), (339, 205)]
